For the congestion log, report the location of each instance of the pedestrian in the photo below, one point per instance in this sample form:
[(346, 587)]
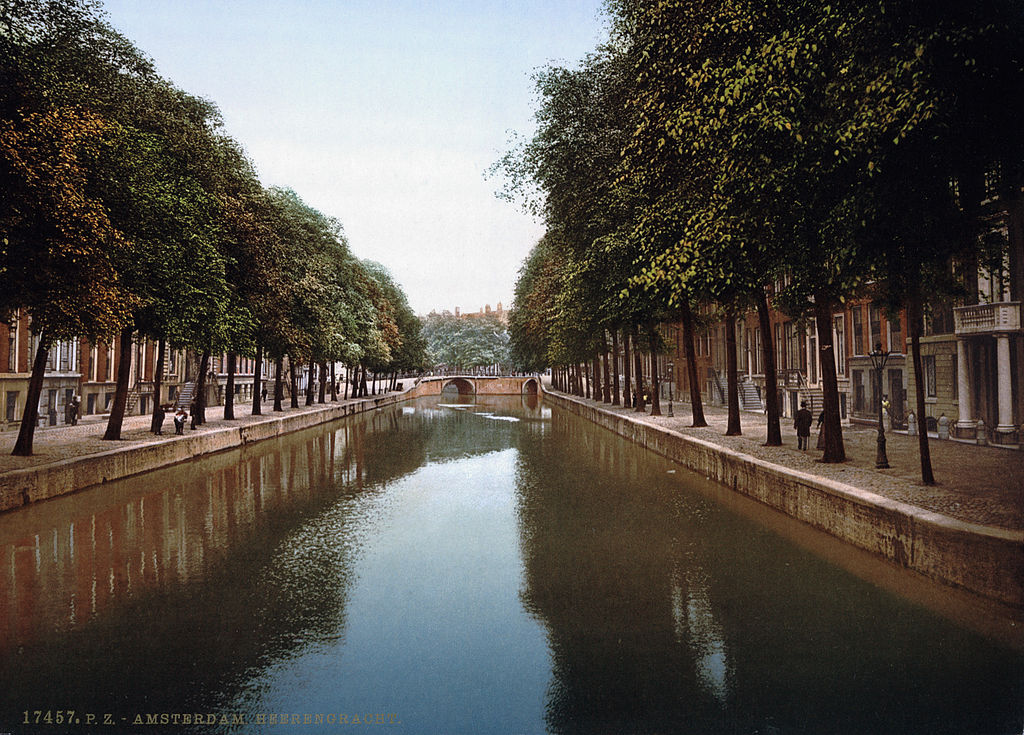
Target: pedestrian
[(263, 397), (802, 424), (821, 434), (158, 419), (192, 411), (179, 421)]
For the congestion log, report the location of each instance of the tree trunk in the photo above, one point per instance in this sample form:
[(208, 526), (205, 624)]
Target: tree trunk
[(598, 382), (158, 378), (914, 316), (30, 416), (322, 397), (229, 389), (732, 379), (607, 383), (348, 379), (831, 429), (310, 382), (615, 368), (655, 387), (279, 383), (257, 382), (334, 383), (199, 414), (627, 370), (363, 392), (293, 382), (696, 403), (771, 378), (639, 405), (124, 372)]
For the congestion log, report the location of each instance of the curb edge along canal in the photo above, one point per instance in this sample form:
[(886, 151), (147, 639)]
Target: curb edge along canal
[(985, 561)]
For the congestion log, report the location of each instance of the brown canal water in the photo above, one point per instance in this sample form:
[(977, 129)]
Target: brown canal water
[(489, 567)]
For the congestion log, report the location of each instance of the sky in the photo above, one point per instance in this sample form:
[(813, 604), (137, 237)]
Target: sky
[(385, 114)]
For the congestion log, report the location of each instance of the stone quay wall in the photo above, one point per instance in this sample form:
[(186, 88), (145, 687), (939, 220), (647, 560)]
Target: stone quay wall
[(32, 484), (983, 560)]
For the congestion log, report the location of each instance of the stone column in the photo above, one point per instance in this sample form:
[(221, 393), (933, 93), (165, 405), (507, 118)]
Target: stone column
[(965, 426), (1005, 425)]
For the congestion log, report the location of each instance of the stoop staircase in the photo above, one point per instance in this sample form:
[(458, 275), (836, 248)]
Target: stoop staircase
[(750, 399), (185, 397)]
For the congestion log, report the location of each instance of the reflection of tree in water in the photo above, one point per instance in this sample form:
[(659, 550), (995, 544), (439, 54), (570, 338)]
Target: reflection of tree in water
[(667, 614)]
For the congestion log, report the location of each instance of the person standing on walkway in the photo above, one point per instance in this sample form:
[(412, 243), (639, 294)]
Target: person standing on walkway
[(802, 424), (179, 421), (159, 415)]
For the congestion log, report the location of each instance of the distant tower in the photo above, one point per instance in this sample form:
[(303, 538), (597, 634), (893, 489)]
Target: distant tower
[(487, 309), (456, 312)]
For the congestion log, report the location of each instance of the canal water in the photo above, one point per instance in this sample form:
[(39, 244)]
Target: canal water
[(462, 567)]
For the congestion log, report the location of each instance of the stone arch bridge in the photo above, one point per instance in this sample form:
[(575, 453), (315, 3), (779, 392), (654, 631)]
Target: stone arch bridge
[(479, 385)]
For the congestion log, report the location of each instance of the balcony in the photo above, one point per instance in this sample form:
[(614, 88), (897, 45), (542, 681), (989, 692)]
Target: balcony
[(987, 318)]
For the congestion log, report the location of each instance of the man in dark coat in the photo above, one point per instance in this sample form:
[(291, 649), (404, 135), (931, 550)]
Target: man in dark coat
[(802, 424)]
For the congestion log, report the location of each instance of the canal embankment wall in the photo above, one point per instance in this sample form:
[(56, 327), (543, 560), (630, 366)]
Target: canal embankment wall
[(31, 484), (984, 560)]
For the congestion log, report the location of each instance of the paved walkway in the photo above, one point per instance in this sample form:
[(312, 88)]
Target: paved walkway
[(982, 485)]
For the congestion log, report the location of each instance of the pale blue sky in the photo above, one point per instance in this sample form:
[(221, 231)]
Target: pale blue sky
[(383, 114)]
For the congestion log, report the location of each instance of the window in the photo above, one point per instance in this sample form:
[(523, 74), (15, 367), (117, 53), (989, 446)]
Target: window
[(875, 326), (12, 404), (858, 331), (779, 361), (993, 180), (12, 347), (812, 359), (858, 391), (929, 375), (758, 352), (896, 334), (839, 343), (792, 347)]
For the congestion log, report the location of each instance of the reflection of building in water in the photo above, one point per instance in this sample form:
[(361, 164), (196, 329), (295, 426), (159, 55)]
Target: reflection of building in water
[(56, 575)]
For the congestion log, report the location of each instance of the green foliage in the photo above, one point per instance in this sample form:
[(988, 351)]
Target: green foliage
[(465, 342)]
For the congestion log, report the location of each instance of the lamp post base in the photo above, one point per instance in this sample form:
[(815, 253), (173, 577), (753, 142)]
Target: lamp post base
[(881, 460)]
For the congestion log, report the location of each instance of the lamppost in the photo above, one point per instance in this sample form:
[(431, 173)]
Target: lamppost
[(878, 360), (671, 381)]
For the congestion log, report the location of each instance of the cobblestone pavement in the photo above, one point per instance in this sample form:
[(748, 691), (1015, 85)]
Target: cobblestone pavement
[(982, 485)]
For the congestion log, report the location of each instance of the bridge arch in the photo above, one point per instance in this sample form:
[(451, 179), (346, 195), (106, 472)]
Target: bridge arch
[(530, 387), (463, 386)]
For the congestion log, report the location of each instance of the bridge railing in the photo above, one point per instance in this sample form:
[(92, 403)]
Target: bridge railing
[(475, 373)]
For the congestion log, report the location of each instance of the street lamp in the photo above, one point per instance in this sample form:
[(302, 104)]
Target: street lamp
[(671, 380), (878, 360)]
